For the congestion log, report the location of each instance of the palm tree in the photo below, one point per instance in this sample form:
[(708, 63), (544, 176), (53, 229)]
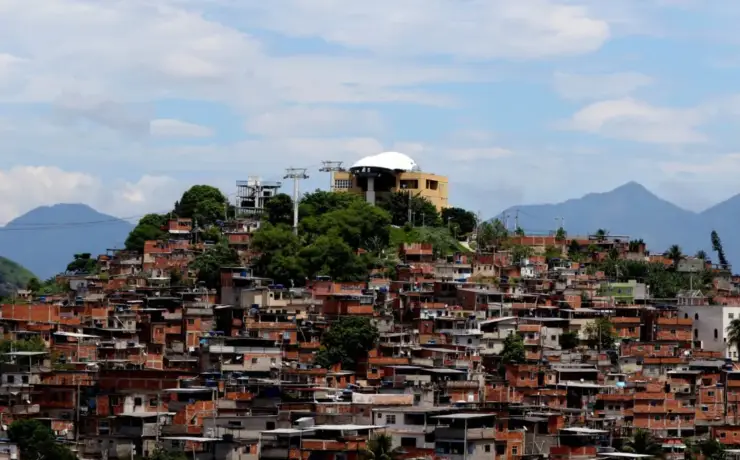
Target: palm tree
[(644, 443), (601, 234), (675, 254), (380, 447), (733, 334), (709, 449), (701, 254), (560, 235)]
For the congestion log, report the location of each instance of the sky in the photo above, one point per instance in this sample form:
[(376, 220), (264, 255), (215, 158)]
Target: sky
[(123, 104)]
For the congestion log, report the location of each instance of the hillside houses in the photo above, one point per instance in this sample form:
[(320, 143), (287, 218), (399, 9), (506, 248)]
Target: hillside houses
[(477, 356)]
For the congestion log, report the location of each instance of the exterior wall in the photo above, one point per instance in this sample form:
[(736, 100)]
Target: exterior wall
[(438, 197), (707, 320)]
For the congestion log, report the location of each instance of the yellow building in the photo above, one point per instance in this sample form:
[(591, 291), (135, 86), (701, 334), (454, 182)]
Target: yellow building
[(389, 172)]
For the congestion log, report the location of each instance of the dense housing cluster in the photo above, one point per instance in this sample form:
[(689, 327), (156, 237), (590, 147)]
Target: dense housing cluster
[(500, 345)]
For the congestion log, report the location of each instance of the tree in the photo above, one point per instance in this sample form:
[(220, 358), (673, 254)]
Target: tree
[(553, 252), (520, 252), (329, 255), (347, 339), (717, 247), (601, 234), (709, 449), (733, 334), (560, 235), (279, 210), (492, 234), (150, 228), (161, 454), (208, 264), (278, 247), (37, 442), (519, 231), (569, 340), (34, 285), (636, 245), (574, 250), (82, 264), (202, 203), (701, 255), (513, 352), (465, 220), (380, 447), (643, 443), (35, 343), (600, 334), (423, 212), (675, 254)]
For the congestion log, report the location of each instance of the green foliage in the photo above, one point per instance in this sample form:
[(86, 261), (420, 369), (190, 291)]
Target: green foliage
[(34, 285), (708, 449), (519, 231), (665, 283), (36, 441), (330, 255), (347, 339), (208, 264), (560, 235), (380, 447), (601, 234), (574, 251), (423, 212), (569, 340), (513, 352), (465, 220), (12, 277), (634, 245), (202, 203), (279, 210), (643, 443), (701, 255), (675, 254), (82, 264), (161, 454), (149, 228), (278, 248), (443, 243), (733, 334), (717, 247), (552, 252), (35, 343), (492, 235), (519, 252), (600, 333)]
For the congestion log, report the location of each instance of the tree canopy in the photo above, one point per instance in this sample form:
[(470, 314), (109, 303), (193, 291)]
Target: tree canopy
[(347, 339), (82, 264), (36, 441), (204, 204), (600, 333), (464, 219), (208, 264), (423, 212), (279, 210), (150, 228)]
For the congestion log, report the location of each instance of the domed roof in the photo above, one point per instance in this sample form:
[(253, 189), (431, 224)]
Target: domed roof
[(394, 161)]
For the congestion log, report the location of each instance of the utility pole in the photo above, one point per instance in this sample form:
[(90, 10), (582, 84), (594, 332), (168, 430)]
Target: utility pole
[(296, 174), (516, 220), (331, 167)]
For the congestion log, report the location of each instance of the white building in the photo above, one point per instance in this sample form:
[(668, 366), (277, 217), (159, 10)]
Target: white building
[(710, 326)]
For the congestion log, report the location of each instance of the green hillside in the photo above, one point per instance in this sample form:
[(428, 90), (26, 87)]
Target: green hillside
[(12, 276)]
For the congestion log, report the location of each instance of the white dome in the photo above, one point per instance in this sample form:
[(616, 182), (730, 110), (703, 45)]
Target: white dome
[(394, 161)]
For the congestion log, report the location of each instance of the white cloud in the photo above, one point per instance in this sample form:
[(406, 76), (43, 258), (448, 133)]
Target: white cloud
[(599, 86), (474, 29), (300, 121), (638, 121), (53, 185), (168, 127)]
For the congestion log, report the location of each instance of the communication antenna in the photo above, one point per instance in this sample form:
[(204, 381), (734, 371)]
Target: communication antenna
[(331, 167), (296, 174)]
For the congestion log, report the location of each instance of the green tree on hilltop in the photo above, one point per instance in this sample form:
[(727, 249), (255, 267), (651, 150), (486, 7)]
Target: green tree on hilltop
[(83, 263), (279, 210), (151, 227), (717, 247), (208, 264), (465, 220), (423, 212), (204, 204)]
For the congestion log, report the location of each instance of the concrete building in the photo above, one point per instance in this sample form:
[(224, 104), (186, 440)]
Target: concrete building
[(710, 326), (390, 172)]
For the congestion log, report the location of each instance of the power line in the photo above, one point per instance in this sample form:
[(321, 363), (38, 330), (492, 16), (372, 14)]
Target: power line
[(331, 167), (296, 174)]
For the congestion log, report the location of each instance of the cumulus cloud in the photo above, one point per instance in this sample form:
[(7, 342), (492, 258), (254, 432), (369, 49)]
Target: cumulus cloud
[(314, 122), (51, 185), (168, 127), (599, 86), (635, 120)]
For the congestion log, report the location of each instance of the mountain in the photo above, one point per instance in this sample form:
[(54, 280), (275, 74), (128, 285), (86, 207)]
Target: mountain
[(45, 239), (633, 211), (12, 277)]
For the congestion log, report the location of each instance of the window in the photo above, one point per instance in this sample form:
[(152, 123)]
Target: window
[(191, 321), (657, 417), (514, 450), (255, 360), (686, 315), (153, 402), (343, 184), (731, 315), (391, 419), (631, 330), (696, 316), (656, 347), (696, 333), (716, 334), (487, 447), (137, 402), (470, 341), (553, 337), (24, 379), (710, 393), (11, 379), (432, 184)]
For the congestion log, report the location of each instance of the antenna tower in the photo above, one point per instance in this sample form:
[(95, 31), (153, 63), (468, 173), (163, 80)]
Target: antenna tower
[(331, 167), (296, 174)]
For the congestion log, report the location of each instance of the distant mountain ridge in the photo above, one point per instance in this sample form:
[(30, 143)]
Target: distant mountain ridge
[(634, 211), (45, 239)]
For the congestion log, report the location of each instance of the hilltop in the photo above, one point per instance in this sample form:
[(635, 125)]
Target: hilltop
[(13, 276), (45, 239)]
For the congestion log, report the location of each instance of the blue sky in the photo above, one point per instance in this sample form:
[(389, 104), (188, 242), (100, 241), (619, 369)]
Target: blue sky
[(124, 104)]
